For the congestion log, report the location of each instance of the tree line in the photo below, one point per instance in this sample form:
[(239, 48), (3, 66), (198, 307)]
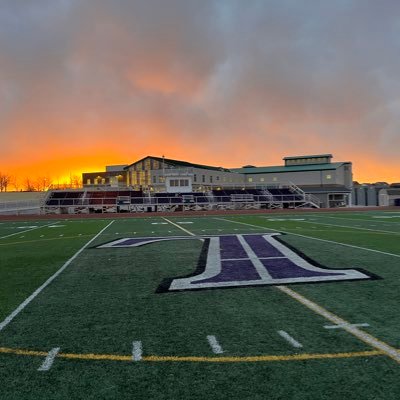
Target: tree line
[(9, 183)]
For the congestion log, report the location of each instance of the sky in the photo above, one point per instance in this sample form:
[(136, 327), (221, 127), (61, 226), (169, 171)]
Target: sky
[(89, 83)]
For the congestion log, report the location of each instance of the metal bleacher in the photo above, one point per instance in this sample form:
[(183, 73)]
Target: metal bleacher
[(106, 201)]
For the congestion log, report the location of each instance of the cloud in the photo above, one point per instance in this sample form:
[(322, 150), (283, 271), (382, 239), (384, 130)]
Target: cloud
[(220, 82)]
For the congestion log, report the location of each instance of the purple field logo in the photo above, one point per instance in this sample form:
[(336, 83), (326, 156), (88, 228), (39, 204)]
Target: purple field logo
[(245, 260)]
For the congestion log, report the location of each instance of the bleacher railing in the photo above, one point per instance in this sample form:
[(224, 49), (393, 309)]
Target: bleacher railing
[(104, 201), (19, 206)]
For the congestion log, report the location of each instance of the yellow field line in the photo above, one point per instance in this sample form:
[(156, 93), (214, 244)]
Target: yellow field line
[(21, 352), (247, 359), (265, 358)]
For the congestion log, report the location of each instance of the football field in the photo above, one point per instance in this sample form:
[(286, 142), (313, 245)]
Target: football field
[(267, 306)]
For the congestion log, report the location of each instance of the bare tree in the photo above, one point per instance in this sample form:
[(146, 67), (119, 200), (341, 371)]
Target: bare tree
[(42, 183), (14, 182), (76, 181), (29, 185), (4, 182)]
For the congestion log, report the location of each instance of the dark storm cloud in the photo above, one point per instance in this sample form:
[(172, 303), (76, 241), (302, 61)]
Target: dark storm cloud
[(292, 76)]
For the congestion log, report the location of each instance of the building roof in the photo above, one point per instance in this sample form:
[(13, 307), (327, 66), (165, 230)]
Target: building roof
[(289, 168), (179, 163), (312, 156)]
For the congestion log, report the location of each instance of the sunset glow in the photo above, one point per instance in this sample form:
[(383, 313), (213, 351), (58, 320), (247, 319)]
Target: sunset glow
[(95, 83)]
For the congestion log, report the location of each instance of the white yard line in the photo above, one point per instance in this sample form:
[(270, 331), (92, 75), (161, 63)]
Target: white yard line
[(363, 336), (28, 230), (314, 238), (180, 227), (351, 227), (371, 220), (137, 351), (48, 361), (342, 326), (290, 339), (8, 319), (215, 346)]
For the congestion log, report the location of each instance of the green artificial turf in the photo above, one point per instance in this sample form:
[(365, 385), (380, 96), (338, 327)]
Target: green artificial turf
[(106, 299)]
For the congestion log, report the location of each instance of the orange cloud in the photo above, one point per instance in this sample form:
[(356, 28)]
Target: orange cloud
[(86, 84)]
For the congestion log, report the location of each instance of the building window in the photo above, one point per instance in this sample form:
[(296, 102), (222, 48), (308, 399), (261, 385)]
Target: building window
[(211, 179), (194, 178), (103, 181), (87, 181), (154, 179), (203, 178), (329, 176), (250, 179), (274, 178), (262, 179), (218, 178)]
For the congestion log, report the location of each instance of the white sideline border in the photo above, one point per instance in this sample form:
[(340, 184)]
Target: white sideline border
[(10, 317)]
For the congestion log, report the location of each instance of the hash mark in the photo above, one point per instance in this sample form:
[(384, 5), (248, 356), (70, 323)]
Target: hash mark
[(290, 339), (48, 361), (137, 351), (215, 346)]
